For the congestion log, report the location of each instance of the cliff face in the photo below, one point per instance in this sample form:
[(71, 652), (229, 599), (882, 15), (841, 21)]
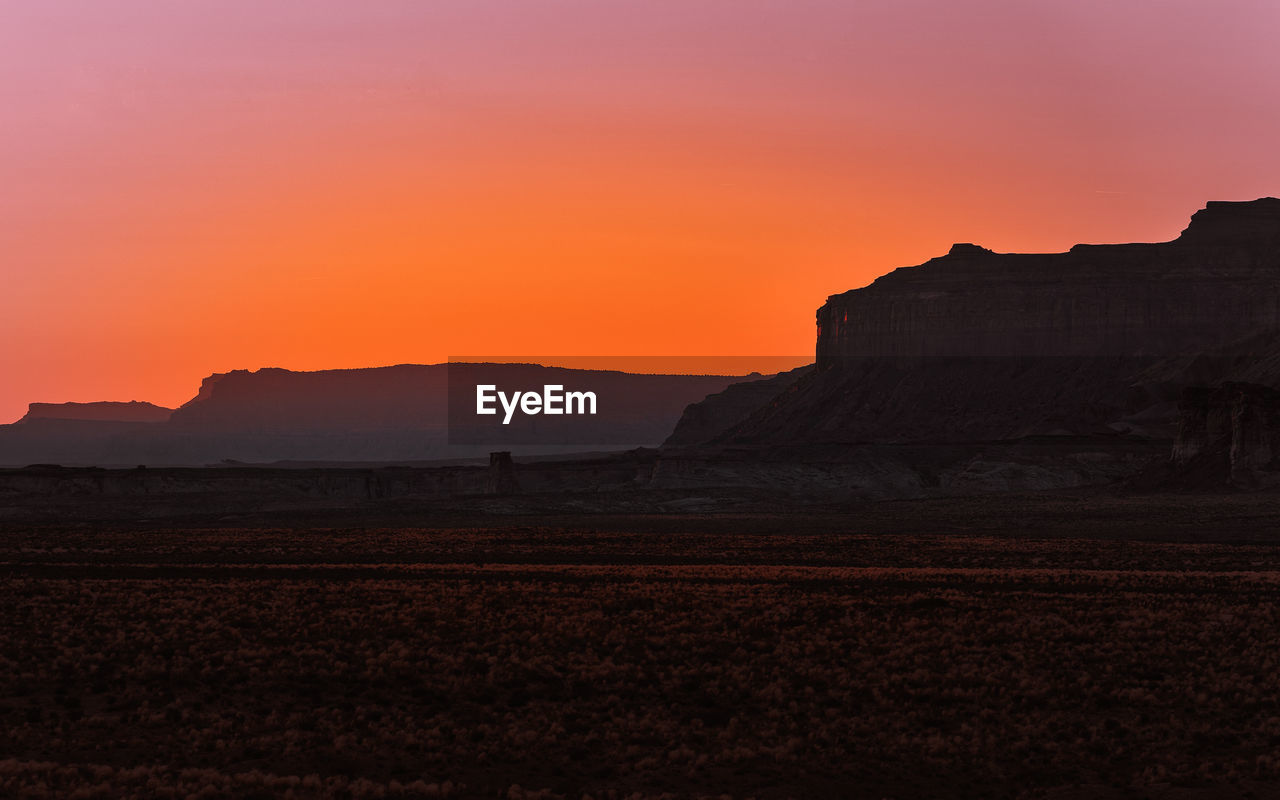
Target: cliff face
[(1217, 282)]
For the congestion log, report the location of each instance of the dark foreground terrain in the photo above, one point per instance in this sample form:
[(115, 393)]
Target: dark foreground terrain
[(1082, 645)]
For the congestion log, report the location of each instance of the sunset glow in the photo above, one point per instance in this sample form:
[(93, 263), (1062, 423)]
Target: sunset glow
[(195, 187)]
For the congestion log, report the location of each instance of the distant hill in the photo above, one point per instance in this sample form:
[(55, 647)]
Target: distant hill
[(133, 411), (379, 414)]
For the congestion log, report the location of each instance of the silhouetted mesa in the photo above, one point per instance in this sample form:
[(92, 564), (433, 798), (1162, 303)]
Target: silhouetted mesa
[(133, 411), (397, 414), (1218, 281), (977, 346)]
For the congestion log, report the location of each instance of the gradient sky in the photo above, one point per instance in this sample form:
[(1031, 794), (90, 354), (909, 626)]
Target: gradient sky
[(190, 187)]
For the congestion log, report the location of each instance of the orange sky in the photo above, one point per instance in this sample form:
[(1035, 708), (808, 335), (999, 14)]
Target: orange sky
[(196, 187)]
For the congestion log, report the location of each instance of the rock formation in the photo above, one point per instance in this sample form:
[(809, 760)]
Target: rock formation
[(979, 346), (1215, 283), (133, 411), (276, 401), (392, 414)]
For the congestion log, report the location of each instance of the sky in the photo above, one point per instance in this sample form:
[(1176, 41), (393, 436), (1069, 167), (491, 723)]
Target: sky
[(194, 187)]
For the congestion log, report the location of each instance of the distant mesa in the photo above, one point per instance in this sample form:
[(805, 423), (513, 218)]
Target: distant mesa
[(395, 414), (331, 401), (132, 411), (980, 346), (965, 249)]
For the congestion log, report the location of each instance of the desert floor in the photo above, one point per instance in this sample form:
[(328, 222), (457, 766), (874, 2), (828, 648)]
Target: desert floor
[(1060, 646)]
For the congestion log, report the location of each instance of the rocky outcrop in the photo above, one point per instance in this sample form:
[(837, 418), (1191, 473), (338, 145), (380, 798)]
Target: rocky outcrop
[(1215, 283), (1235, 426), (133, 411)]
